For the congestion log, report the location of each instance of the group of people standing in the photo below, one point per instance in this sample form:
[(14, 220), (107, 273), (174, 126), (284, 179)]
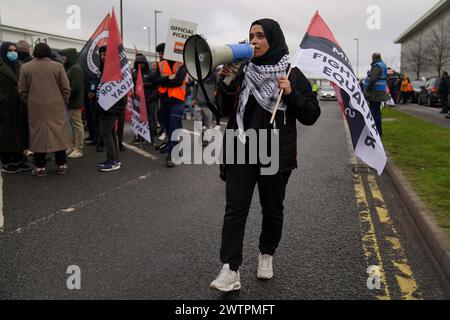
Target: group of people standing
[(402, 91), (34, 93), (41, 103)]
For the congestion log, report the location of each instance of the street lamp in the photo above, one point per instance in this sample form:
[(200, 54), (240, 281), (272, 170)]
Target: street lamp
[(148, 29), (357, 57), (1, 28), (156, 33), (121, 19)]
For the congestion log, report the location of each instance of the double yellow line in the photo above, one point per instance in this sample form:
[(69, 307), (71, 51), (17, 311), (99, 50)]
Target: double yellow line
[(395, 254)]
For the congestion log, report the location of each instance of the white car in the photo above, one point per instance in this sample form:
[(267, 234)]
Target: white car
[(327, 93)]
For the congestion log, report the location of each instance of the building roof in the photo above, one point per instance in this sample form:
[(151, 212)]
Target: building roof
[(426, 18), (59, 37)]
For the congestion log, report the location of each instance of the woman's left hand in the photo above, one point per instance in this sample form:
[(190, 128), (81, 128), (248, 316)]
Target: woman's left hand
[(285, 85)]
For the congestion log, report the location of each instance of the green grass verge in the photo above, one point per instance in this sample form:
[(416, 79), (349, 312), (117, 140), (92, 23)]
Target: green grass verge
[(422, 151)]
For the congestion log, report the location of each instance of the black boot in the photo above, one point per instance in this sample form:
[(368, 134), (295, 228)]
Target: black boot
[(169, 163)]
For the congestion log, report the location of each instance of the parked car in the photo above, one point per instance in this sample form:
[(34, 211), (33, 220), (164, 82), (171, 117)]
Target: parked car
[(327, 93), (429, 95), (417, 88)]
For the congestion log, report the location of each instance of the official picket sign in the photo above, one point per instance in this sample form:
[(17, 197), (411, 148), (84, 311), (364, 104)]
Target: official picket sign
[(177, 35)]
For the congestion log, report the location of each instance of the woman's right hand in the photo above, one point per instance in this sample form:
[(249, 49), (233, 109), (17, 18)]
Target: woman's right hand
[(228, 70)]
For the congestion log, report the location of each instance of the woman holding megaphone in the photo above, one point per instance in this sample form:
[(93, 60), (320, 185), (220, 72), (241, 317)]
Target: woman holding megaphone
[(258, 85)]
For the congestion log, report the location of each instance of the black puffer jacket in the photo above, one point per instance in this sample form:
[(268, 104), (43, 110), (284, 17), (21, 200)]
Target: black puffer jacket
[(302, 105)]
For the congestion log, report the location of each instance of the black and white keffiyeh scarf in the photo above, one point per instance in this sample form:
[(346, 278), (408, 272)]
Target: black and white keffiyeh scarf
[(261, 81)]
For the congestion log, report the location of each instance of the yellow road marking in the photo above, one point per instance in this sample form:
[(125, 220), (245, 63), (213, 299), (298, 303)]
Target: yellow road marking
[(369, 240), (404, 276), (370, 245)]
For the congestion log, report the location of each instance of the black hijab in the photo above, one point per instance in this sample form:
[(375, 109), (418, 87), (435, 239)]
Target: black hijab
[(274, 35), (4, 51)]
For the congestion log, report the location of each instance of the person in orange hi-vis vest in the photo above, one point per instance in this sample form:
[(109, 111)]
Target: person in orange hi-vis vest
[(170, 79), (406, 89)]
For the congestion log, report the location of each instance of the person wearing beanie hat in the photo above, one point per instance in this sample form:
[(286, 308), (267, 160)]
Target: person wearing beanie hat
[(23, 51), (107, 120)]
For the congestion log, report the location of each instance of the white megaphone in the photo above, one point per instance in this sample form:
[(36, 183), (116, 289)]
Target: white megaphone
[(200, 58)]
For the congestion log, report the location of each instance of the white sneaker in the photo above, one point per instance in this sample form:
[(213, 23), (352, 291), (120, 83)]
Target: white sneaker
[(265, 269), (227, 280), (75, 154), (162, 136)]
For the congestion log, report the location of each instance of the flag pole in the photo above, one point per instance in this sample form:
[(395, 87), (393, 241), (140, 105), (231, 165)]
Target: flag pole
[(279, 99), (139, 137)]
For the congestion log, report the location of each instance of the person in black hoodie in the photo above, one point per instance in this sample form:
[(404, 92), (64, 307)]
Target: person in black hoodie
[(107, 131), (260, 83), (151, 95)]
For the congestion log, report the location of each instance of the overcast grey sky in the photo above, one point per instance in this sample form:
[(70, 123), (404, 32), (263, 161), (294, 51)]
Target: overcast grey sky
[(228, 21)]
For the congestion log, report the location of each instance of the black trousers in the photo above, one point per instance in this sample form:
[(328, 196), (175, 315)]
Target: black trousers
[(120, 126), (445, 103), (12, 157), (240, 184), (40, 160), (405, 96), (108, 135), (91, 118), (375, 109)]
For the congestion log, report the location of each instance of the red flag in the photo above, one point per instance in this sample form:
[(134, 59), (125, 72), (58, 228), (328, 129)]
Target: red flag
[(143, 117), (113, 68), (129, 106)]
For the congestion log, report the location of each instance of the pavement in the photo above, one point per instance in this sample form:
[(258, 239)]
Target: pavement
[(428, 114), (148, 232)]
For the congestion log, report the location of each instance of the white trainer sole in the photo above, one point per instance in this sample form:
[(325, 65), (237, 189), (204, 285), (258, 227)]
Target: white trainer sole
[(109, 170), (264, 277), (232, 287)]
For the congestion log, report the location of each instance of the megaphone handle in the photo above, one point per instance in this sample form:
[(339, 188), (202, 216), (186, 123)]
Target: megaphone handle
[(274, 112)]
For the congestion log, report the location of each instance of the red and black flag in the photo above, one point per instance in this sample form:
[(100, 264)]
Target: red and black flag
[(321, 55), (89, 58)]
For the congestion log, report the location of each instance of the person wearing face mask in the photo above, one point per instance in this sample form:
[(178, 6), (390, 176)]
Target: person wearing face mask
[(12, 140), (23, 50), (260, 83)]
